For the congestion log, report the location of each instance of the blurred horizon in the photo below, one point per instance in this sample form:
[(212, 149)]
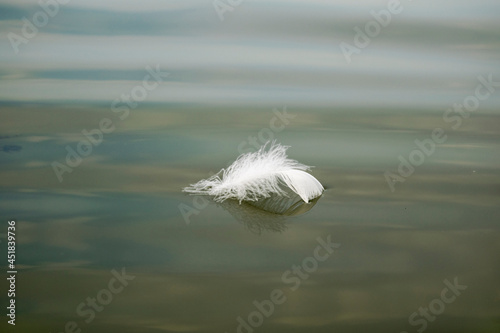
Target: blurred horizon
[(91, 51)]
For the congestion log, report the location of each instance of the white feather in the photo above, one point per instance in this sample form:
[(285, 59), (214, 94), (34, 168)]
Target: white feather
[(259, 175)]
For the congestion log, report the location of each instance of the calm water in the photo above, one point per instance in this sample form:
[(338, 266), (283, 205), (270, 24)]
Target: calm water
[(169, 94)]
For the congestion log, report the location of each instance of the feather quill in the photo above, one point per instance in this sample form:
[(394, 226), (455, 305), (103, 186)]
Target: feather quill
[(259, 175)]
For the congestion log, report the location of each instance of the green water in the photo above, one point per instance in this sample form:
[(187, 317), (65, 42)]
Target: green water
[(106, 241)]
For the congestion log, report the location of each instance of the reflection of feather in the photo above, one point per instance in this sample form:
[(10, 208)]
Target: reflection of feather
[(289, 205), (259, 175), (254, 219)]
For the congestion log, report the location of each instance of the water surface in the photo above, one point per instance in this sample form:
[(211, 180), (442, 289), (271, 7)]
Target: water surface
[(223, 87)]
